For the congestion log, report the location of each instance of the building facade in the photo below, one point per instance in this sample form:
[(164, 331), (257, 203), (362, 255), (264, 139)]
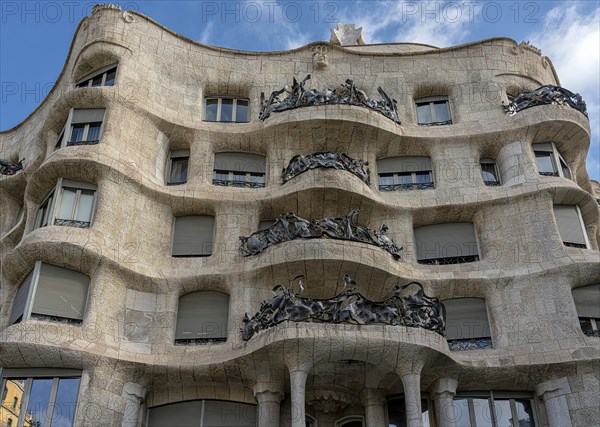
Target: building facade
[(209, 237)]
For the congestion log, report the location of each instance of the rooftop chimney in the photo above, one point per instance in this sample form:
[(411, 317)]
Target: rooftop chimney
[(347, 35)]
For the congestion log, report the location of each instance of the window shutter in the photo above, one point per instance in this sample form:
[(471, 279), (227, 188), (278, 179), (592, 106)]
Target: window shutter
[(446, 240), (569, 225), (202, 315), (587, 301), (545, 146), (193, 235), (466, 318), (87, 115), (404, 164), (183, 414), (20, 301), (179, 153), (240, 162), (60, 292), (487, 160)]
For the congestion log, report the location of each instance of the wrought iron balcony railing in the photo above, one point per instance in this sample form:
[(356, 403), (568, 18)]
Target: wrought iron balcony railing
[(549, 173), (575, 245), (447, 122), (90, 142), (239, 184), (57, 319), (545, 95), (449, 260), (72, 223), (470, 344), (407, 187), (200, 341), (492, 183), (589, 326)]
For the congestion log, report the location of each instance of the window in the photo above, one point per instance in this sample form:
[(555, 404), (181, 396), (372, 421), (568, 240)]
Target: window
[(433, 111), (202, 318), (397, 412), (549, 161), (83, 127), (213, 413), (587, 303), (467, 325), (9, 422), (351, 421), (405, 173), (51, 293), (489, 172), (193, 236), (15, 402), (494, 408), (570, 226), (48, 397), (239, 170), (452, 243), (70, 204), (229, 110), (103, 77), (178, 167)]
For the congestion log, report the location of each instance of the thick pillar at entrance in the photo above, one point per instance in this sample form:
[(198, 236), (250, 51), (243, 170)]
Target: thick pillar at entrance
[(134, 396), (553, 393), (268, 396), (374, 403), (298, 392), (444, 390), (412, 399)]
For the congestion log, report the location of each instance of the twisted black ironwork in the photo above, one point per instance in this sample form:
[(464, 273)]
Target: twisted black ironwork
[(239, 184), (10, 168), (549, 173), (350, 306), (470, 344), (346, 93), (72, 223), (291, 227), (449, 260), (327, 159), (446, 122), (406, 186), (545, 95), (90, 142)]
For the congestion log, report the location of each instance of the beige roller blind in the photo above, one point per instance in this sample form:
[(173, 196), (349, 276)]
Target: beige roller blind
[(88, 115), (220, 413), (60, 292), (182, 414), (179, 153), (587, 301), (20, 301), (202, 315), (544, 146), (569, 225), (404, 164), (193, 235), (446, 240), (240, 162), (466, 318)]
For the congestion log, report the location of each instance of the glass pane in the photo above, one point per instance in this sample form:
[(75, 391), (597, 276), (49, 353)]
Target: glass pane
[(86, 202), (37, 405), (524, 413), (424, 113), (59, 140), (544, 162), (77, 132), (67, 203), (257, 178), (45, 212), (503, 414), (179, 170), (396, 413), (210, 115), (110, 77), (226, 110), (66, 402), (221, 175), (12, 396), (565, 169), (461, 412), (483, 414), (405, 178), (241, 112), (94, 131), (442, 111), (386, 179), (97, 81), (239, 176), (83, 84), (423, 177), (488, 172), (425, 413)]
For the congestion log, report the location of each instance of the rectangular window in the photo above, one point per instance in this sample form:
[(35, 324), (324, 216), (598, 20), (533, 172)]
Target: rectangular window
[(405, 173), (494, 409), (83, 127), (44, 397), (489, 172), (193, 236), (570, 226), (51, 293), (450, 243), (587, 303), (549, 161), (467, 325), (103, 77), (227, 110), (202, 318), (433, 111), (178, 167), (73, 205), (239, 170)]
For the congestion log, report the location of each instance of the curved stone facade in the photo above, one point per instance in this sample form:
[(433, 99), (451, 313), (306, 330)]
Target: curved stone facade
[(124, 345)]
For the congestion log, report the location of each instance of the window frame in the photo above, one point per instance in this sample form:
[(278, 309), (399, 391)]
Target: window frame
[(30, 374), (54, 205), (214, 235), (474, 340), (490, 161), (557, 161), (397, 184), (348, 419), (28, 308), (66, 133), (230, 181), (490, 396), (175, 155), (220, 99), (435, 261), (198, 340), (581, 224), (424, 397), (89, 78), (594, 321), (432, 100)]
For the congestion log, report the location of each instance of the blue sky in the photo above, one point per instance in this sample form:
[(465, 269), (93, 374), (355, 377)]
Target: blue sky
[(35, 36)]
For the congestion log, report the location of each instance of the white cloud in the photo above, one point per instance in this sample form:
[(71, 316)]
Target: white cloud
[(207, 33), (570, 37)]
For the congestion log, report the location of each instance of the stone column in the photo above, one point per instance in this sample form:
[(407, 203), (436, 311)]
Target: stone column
[(133, 394), (553, 393), (298, 393), (443, 391), (374, 402), (412, 399), (268, 396)]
